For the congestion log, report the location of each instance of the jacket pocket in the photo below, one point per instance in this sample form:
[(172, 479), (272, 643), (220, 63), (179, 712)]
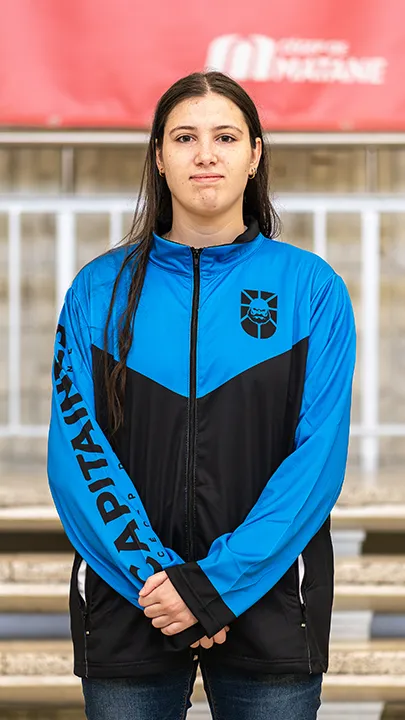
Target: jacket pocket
[(301, 575), (79, 611), (300, 579), (81, 580)]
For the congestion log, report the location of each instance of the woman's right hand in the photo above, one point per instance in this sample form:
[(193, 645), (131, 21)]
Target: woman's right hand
[(207, 642)]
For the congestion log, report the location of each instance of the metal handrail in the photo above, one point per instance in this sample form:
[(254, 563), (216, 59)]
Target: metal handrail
[(67, 208)]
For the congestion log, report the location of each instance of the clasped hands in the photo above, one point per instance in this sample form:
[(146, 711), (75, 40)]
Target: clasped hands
[(168, 611)]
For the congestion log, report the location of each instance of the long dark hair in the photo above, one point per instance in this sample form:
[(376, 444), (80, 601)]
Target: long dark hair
[(153, 212)]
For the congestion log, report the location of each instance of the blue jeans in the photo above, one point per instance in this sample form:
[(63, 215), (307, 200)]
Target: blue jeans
[(232, 695)]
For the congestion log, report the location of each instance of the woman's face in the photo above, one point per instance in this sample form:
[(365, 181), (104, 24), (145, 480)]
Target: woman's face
[(206, 155)]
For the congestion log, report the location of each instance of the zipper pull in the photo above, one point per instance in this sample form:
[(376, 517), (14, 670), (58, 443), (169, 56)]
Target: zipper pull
[(196, 255), (85, 615)]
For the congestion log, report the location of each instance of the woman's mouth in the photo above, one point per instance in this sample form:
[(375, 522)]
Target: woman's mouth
[(207, 178)]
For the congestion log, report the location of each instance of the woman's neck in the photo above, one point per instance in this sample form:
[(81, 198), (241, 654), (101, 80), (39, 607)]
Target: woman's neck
[(200, 234)]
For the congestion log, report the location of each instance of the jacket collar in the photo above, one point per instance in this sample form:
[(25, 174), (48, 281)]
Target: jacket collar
[(179, 258)]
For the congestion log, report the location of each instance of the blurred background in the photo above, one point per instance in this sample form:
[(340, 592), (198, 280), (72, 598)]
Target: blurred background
[(78, 86)]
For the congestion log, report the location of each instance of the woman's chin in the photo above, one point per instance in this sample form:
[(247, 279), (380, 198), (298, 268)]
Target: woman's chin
[(210, 204)]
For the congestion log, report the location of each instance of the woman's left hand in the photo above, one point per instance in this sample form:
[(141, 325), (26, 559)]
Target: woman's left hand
[(164, 605)]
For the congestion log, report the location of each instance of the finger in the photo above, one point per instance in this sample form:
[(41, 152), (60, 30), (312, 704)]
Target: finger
[(179, 622), (161, 621), (152, 583), (220, 637), (156, 596), (195, 645), (153, 611), (173, 628), (226, 628), (206, 642), (151, 599)]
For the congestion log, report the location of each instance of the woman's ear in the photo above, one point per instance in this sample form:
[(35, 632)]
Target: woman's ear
[(257, 152), (158, 155)]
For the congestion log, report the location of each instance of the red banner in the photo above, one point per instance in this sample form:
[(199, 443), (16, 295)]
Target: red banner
[(308, 64)]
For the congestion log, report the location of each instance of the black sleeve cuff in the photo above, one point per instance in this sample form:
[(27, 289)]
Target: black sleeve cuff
[(201, 597)]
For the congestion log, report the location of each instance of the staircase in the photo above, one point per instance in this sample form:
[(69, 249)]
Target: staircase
[(366, 678)]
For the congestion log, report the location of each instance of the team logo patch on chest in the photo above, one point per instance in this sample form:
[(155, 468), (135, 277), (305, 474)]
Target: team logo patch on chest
[(258, 312)]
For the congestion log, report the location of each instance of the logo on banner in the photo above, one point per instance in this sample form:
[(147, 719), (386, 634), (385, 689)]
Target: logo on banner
[(258, 311), (296, 60)]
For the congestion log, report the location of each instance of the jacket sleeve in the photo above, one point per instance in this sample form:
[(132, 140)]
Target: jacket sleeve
[(97, 502), (242, 566)]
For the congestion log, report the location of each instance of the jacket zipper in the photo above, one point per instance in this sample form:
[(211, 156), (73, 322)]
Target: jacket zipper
[(86, 633), (192, 406), (301, 592)]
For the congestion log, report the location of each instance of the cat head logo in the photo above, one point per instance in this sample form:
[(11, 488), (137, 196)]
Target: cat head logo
[(258, 311)]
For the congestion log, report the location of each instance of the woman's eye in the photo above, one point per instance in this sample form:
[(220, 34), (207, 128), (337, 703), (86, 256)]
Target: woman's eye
[(224, 138)]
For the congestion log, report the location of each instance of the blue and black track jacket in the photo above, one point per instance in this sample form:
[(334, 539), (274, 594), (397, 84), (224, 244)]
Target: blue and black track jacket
[(230, 458)]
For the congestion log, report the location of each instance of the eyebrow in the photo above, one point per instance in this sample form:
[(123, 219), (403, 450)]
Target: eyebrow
[(218, 127)]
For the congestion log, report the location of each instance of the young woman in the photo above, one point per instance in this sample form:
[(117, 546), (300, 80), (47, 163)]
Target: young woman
[(199, 433)]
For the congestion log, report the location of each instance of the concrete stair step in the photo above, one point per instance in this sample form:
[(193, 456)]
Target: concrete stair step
[(32, 518), (34, 582), (370, 582), (41, 672), (40, 583), (380, 598), (383, 488), (25, 490), (39, 712), (369, 502), (30, 568), (372, 517), (23, 598)]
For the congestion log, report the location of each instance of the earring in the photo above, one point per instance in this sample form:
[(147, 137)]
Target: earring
[(161, 173), (252, 174)]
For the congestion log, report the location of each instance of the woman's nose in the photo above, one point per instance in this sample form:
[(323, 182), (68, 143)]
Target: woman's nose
[(205, 153)]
